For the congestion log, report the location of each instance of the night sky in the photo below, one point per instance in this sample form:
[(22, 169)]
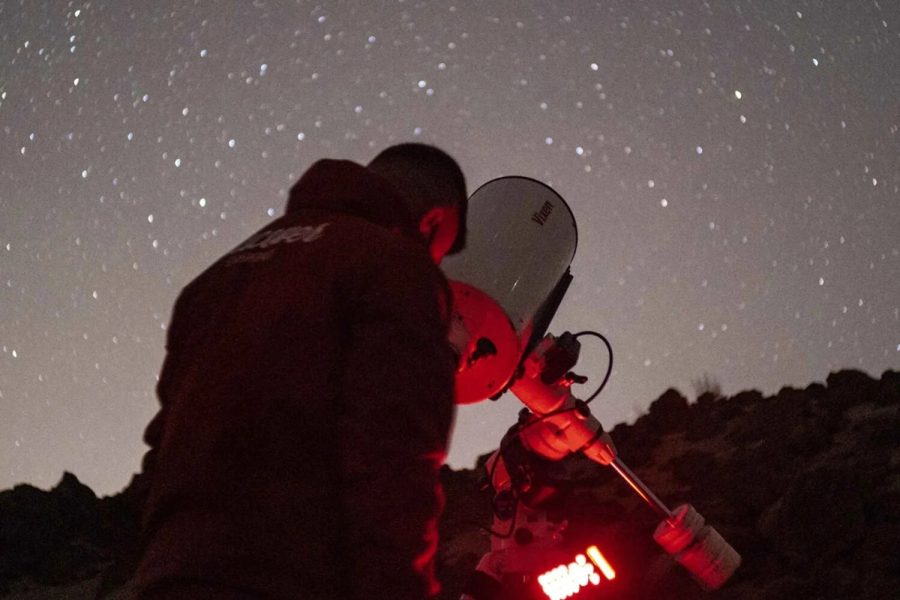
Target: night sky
[(733, 168)]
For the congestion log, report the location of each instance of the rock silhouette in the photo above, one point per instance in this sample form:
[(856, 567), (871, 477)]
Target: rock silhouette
[(804, 484)]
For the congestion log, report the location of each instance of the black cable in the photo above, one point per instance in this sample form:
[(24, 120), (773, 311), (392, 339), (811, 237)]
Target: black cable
[(488, 530), (608, 368)]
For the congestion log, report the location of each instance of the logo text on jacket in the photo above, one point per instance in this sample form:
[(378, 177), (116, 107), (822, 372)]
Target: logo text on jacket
[(288, 235)]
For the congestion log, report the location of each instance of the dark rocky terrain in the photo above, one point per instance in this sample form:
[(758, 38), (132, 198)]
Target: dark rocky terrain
[(804, 484)]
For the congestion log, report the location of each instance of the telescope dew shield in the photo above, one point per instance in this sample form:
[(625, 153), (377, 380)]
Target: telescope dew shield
[(521, 240)]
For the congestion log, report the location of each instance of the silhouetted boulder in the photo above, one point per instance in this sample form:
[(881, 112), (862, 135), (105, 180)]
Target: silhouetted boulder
[(748, 399), (849, 387), (51, 537), (815, 392), (669, 412), (888, 389)]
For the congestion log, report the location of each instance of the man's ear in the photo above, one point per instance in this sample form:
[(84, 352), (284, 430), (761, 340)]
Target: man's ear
[(431, 220)]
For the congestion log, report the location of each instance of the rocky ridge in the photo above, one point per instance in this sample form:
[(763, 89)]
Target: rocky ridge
[(804, 484)]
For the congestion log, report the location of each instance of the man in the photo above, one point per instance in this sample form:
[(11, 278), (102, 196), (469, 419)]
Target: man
[(307, 396)]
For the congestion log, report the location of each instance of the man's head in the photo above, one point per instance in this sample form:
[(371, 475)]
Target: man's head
[(434, 189)]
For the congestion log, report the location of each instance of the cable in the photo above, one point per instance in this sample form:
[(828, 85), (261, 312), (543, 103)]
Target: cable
[(488, 530), (608, 368)]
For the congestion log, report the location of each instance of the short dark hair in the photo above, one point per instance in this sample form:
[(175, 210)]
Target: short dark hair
[(426, 177)]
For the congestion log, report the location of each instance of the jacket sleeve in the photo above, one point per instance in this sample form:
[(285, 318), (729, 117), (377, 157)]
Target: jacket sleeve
[(396, 414)]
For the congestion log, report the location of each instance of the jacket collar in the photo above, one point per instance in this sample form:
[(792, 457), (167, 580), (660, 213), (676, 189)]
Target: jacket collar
[(345, 186)]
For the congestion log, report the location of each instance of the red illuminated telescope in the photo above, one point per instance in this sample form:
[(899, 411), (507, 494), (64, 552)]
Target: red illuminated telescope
[(507, 285)]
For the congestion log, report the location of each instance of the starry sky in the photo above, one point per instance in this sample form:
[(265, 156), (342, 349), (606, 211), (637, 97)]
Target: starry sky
[(733, 168)]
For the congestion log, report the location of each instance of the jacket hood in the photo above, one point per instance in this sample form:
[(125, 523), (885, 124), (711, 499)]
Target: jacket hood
[(347, 187)]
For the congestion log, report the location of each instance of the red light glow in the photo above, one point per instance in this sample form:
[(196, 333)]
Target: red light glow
[(601, 562), (567, 580)]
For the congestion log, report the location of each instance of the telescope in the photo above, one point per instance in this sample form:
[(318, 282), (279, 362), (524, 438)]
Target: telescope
[(507, 285)]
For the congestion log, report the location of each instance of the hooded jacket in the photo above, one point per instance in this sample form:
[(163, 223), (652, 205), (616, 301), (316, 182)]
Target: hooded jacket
[(306, 403)]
